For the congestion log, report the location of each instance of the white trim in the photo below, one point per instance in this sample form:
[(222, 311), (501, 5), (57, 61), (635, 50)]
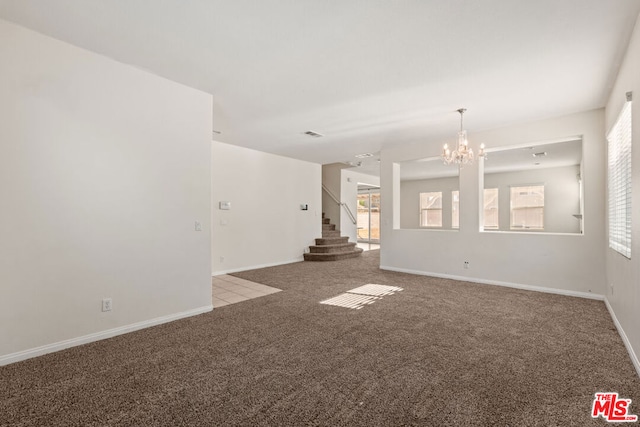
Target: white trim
[(254, 267), (499, 283), (73, 342), (625, 339)]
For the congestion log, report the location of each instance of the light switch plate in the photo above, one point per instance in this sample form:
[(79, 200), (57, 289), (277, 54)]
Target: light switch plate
[(225, 206)]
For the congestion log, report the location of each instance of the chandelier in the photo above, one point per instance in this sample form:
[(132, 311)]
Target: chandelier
[(463, 155)]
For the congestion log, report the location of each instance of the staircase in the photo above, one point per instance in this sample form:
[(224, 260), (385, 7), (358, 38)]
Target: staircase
[(331, 246)]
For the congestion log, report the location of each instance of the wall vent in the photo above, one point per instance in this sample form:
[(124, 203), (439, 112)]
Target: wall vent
[(540, 154)]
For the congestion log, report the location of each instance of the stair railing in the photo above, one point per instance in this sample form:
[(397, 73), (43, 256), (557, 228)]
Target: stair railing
[(344, 205)]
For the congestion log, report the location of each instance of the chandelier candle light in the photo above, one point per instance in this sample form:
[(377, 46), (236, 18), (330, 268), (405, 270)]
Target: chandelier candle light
[(463, 155)]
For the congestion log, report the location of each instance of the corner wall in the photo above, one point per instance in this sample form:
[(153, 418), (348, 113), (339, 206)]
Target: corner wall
[(332, 180), (265, 225), (623, 275), (561, 195), (563, 263), (410, 200), (104, 170)]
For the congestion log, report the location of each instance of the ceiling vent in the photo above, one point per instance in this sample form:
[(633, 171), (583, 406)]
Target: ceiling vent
[(363, 156), (540, 154), (352, 164), (313, 134)]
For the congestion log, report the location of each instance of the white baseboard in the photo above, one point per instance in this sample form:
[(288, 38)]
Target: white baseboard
[(254, 267), (499, 283), (625, 339), (73, 342)]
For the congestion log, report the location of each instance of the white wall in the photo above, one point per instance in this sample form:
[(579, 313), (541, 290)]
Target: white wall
[(332, 180), (564, 263), (561, 195), (104, 170), (349, 195), (410, 199), (265, 225), (624, 274)]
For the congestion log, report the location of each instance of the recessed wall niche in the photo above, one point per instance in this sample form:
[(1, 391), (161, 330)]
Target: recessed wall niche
[(534, 188), (429, 195)]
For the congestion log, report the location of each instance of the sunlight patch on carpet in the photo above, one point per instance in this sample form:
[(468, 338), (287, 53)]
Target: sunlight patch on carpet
[(375, 290), (361, 296), (350, 300)]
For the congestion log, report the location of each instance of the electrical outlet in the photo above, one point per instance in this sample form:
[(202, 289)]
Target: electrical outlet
[(221, 259), (107, 304), (466, 265), (611, 286), (198, 226)]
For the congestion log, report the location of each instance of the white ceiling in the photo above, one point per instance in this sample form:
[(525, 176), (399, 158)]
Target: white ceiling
[(368, 74), (539, 156)]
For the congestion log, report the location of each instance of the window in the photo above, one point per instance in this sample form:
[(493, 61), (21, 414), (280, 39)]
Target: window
[(491, 220), (431, 209), (619, 182), (455, 209), (527, 207)]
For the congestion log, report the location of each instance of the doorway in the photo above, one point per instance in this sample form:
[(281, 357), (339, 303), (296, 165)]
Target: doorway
[(368, 218)]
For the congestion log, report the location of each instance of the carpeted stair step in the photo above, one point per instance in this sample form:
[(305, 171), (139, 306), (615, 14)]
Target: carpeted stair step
[(330, 233), (325, 249), (332, 240), (331, 246), (333, 256)]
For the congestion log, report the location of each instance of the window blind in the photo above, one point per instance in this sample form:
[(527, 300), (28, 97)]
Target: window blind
[(619, 182), (491, 218), (431, 209), (527, 207), (455, 209)]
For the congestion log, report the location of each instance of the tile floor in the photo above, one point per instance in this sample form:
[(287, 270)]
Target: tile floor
[(230, 290), (368, 246)]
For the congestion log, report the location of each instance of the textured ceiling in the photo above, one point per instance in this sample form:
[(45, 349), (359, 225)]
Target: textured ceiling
[(367, 74)]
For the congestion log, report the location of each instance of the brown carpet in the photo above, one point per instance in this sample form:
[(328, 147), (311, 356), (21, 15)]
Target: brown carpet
[(439, 353)]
